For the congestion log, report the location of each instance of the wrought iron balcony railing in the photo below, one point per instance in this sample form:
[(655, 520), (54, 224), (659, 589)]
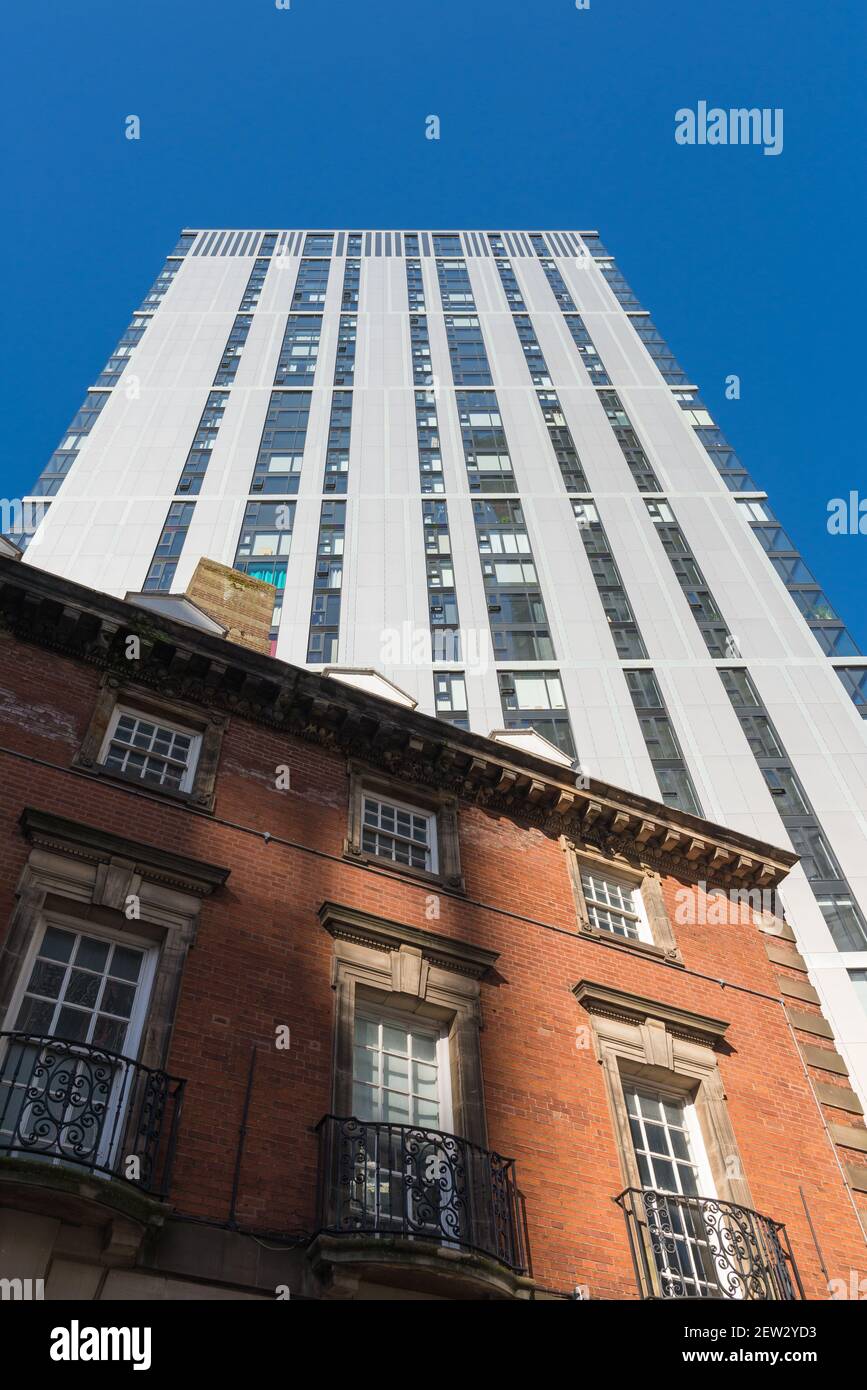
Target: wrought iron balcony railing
[(701, 1247), (406, 1181), (72, 1103)]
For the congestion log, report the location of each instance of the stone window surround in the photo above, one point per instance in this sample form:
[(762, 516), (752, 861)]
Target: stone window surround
[(86, 875), (662, 1045), (440, 804), (390, 965), (207, 725), (664, 945)]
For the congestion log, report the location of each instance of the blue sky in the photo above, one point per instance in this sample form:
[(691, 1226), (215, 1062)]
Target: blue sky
[(550, 116)]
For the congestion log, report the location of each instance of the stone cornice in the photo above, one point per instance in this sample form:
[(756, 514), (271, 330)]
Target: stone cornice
[(348, 924), (47, 831), (181, 663), (617, 1003)]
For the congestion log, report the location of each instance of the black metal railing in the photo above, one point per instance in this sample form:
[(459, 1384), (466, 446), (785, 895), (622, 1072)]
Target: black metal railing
[(407, 1181), (73, 1103), (702, 1247)]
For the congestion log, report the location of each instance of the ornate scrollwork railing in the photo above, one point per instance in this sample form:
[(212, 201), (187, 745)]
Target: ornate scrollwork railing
[(702, 1247), (72, 1103), (411, 1182)]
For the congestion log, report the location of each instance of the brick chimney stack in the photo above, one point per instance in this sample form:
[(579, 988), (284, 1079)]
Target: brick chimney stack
[(242, 604)]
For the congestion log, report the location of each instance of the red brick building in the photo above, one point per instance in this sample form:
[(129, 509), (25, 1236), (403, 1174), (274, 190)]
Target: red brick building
[(305, 993)]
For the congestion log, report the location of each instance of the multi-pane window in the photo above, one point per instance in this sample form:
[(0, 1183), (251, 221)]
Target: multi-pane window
[(614, 905), (400, 833), (430, 461), (589, 356), (568, 460), (263, 545), (662, 743), (228, 367), (151, 750), (630, 444), (82, 988), (467, 350), (337, 449), (442, 596), (296, 365), (622, 292), (325, 612), (504, 544), (534, 700), (516, 613), (196, 465), (693, 583), (827, 628), (66, 453), (447, 244), (318, 243), (254, 285), (854, 679), (536, 364), (351, 284), (442, 608), (184, 242), (170, 544), (558, 284), (311, 285), (454, 282), (154, 296), (618, 610), (415, 285), (511, 288), (420, 350), (450, 697), (843, 916), (396, 1078), (344, 363), (114, 367), (671, 1161), (659, 349), (281, 451), (486, 452)]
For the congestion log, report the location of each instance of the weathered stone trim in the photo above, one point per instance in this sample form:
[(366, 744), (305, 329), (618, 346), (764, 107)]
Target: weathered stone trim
[(615, 1003), (805, 1022), (388, 964), (441, 805), (87, 875), (644, 1041), (209, 727), (823, 1058), (664, 945), (181, 663)]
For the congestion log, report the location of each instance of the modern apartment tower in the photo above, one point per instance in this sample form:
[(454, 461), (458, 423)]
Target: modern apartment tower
[(470, 462)]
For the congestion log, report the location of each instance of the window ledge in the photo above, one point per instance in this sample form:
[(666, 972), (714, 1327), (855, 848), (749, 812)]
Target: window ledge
[(200, 801), (663, 955), (454, 883)]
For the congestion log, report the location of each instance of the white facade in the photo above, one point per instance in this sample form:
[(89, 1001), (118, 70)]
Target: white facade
[(106, 520)]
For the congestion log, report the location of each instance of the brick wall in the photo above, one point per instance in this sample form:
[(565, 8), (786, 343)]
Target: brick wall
[(262, 960)]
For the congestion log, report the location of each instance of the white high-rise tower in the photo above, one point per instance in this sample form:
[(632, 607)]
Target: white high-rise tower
[(471, 462)]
